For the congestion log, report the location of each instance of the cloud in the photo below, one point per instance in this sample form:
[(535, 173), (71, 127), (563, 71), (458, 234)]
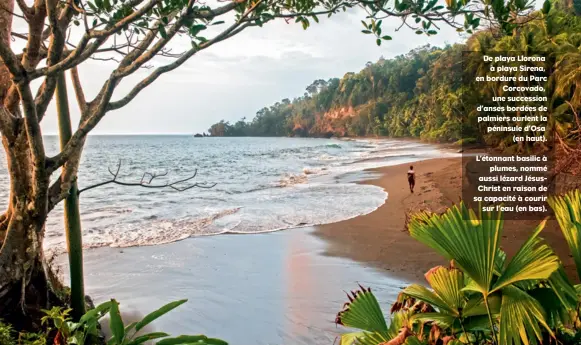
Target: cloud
[(245, 73)]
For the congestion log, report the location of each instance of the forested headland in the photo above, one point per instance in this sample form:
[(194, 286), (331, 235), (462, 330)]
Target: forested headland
[(422, 94)]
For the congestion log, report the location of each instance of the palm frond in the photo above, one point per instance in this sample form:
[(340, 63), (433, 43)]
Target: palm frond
[(534, 260), (447, 284), (424, 294), (471, 241), (567, 210), (362, 312), (522, 318)]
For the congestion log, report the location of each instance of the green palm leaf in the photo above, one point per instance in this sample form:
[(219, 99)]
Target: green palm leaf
[(399, 320), (522, 318), (350, 338), (556, 314), (568, 213), (563, 289), (475, 305), (477, 324), (424, 294), (443, 321), (458, 234), (534, 260), (363, 312), (447, 284)]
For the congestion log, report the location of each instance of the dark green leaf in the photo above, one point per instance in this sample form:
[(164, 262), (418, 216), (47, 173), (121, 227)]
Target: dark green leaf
[(419, 32), (194, 30), (115, 322), (431, 4), (95, 313), (218, 22), (191, 339), (158, 313), (366, 31), (432, 32), (386, 37), (150, 336), (130, 327), (378, 41), (162, 32), (546, 7)]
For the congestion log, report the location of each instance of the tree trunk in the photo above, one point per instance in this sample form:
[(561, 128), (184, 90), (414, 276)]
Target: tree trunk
[(7, 7), (26, 283), (72, 213)]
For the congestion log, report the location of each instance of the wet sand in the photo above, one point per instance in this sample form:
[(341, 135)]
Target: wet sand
[(381, 240), (264, 289)]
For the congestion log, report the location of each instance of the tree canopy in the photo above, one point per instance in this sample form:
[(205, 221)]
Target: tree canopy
[(422, 94)]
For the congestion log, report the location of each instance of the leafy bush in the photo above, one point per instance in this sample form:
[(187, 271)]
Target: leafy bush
[(28, 338), (79, 333), (466, 141), (481, 298), (6, 334)]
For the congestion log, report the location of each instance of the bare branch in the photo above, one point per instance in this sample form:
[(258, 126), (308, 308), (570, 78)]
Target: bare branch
[(84, 50), (11, 62), (24, 8), (58, 24), (234, 29), (33, 133), (79, 93), (148, 178)]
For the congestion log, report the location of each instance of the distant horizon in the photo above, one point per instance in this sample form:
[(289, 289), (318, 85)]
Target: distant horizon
[(125, 134)]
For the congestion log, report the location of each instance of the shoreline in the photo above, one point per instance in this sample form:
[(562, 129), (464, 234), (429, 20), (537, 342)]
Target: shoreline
[(380, 239)]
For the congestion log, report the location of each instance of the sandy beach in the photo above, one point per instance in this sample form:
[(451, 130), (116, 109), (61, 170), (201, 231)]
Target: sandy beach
[(380, 238), (286, 287), (265, 289)]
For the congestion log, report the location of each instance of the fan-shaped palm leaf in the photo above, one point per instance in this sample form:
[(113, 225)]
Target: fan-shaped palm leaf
[(568, 213), (522, 318), (424, 294), (363, 312), (459, 235), (534, 260)]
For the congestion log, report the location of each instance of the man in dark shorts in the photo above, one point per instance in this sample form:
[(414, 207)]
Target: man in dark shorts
[(411, 178)]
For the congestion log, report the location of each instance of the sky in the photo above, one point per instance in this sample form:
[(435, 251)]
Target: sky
[(239, 76)]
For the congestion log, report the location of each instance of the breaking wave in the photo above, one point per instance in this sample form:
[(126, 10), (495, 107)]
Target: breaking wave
[(264, 184)]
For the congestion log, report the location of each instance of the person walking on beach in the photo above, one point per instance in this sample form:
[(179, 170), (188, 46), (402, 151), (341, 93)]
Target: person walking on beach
[(411, 178)]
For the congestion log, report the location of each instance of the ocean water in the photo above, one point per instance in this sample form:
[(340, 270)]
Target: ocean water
[(262, 185)]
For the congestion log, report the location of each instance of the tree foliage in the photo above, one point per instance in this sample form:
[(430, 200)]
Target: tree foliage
[(427, 92), (482, 298)]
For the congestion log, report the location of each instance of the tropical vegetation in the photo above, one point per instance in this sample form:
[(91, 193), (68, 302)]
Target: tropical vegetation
[(61, 329), (60, 36), (482, 297), (130, 35), (430, 93)]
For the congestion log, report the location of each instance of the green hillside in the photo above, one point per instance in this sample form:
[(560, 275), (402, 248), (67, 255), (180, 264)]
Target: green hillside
[(422, 94)]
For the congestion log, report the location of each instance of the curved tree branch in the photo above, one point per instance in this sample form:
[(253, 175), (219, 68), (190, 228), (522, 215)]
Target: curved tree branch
[(148, 178)]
